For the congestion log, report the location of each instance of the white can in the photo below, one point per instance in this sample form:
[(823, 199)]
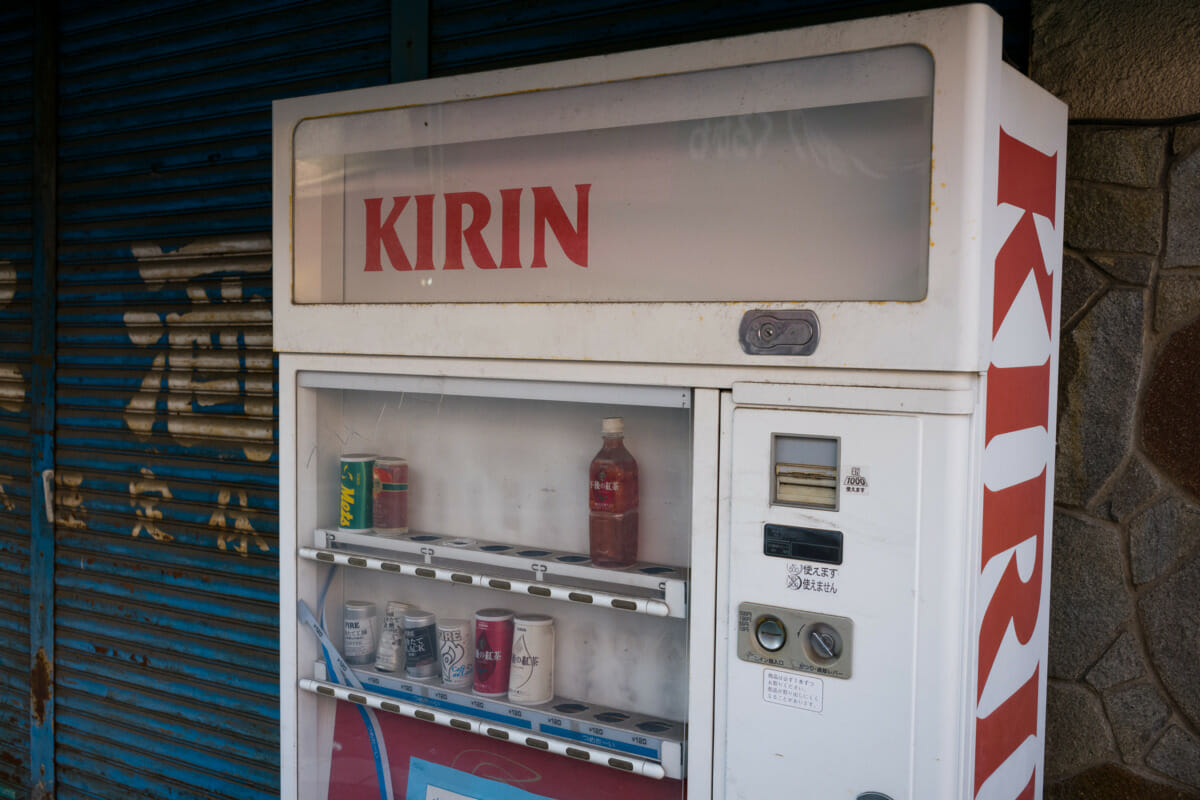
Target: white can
[(360, 632), (531, 677), (457, 655), (390, 656)]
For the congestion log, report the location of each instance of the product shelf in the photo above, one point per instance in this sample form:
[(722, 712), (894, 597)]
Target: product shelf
[(653, 589), (608, 737)]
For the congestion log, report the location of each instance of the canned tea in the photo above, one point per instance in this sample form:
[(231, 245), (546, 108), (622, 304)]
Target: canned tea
[(531, 678), (420, 644), (354, 512), (360, 632), (390, 496), (454, 648), (390, 657), (493, 650)]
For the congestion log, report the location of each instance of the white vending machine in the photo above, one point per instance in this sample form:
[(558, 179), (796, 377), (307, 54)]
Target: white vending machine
[(672, 424)]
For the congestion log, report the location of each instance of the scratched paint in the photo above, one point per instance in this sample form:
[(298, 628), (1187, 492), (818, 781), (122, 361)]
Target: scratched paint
[(224, 331), (146, 506), (238, 542)]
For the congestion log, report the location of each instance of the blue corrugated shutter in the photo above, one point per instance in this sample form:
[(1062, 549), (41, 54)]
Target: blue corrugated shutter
[(16, 325), (470, 35), (166, 563), (16, 244)]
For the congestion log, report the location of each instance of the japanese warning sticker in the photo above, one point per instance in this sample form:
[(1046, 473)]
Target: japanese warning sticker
[(812, 578), (790, 689)]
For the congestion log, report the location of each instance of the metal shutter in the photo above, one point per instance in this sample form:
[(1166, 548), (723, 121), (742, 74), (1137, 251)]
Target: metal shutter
[(470, 35), (16, 325), (166, 563)]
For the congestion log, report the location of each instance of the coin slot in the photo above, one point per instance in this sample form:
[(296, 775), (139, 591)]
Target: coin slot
[(770, 634)]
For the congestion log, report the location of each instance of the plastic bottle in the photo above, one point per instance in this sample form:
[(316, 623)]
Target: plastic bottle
[(613, 500)]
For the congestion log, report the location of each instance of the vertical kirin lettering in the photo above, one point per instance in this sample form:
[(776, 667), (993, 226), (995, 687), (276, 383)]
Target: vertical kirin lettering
[(1017, 475)]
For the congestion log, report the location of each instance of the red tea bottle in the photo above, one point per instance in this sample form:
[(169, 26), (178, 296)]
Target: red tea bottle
[(613, 500)]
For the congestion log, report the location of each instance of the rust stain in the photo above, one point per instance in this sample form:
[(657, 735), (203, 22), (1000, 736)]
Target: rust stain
[(39, 686)]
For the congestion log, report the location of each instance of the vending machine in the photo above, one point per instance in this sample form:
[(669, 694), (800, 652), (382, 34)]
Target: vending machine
[(672, 424)]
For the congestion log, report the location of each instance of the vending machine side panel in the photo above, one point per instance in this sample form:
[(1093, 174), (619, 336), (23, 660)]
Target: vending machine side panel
[(1017, 441)]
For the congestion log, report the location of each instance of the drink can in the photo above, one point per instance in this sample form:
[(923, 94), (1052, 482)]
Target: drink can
[(531, 677), (390, 495), (360, 632), (354, 512), (390, 656), (493, 650), (420, 644), (454, 648)]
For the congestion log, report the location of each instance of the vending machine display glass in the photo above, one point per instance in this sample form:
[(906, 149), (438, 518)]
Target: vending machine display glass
[(448, 580)]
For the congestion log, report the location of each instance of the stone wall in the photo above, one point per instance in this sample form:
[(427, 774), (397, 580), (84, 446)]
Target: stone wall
[(1123, 714)]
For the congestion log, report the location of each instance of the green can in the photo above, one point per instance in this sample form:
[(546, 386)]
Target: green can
[(354, 510)]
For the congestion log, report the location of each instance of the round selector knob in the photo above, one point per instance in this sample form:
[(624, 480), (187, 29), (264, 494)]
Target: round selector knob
[(770, 633)]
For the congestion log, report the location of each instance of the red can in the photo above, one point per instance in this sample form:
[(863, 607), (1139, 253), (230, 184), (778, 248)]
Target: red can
[(493, 650), (390, 496)]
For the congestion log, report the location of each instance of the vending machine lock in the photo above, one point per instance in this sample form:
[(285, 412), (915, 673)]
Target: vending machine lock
[(779, 333)]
